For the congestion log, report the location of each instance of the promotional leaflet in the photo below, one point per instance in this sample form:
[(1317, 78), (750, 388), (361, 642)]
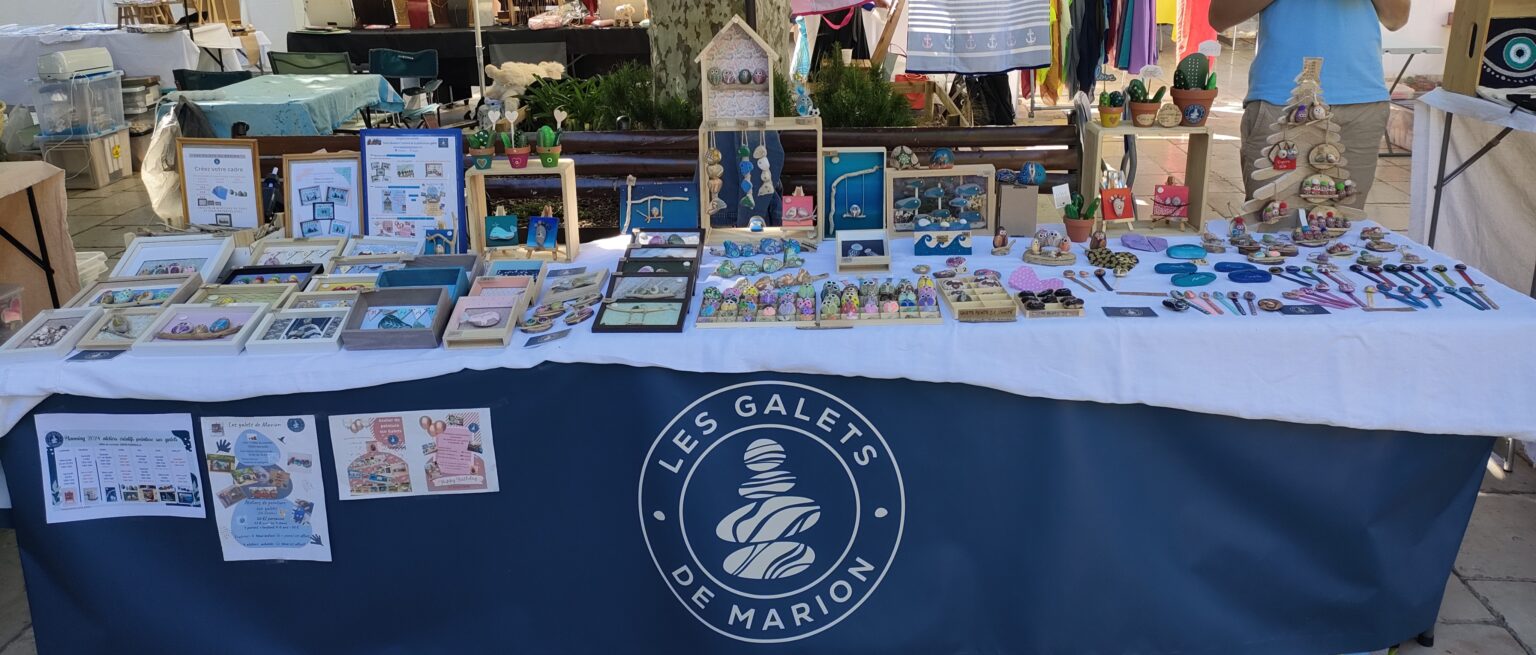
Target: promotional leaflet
[(413, 453), (269, 498), (108, 465), (218, 182), (414, 181)]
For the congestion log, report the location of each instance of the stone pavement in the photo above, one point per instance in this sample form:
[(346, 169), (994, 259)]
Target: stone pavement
[(1489, 606)]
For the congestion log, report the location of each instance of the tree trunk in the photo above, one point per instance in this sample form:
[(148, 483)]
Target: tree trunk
[(679, 30)]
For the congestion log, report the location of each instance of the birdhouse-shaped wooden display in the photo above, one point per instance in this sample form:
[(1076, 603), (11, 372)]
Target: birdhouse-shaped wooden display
[(741, 152), (1491, 46), (736, 75)]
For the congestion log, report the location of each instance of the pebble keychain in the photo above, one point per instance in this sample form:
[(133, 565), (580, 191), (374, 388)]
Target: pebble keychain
[(744, 167), (716, 171), (765, 168)]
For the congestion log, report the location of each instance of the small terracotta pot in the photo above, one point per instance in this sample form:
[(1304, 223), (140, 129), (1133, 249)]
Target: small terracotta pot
[(549, 157), (1144, 114), (482, 157), (1194, 104), (1078, 230), (1110, 116), (518, 157)]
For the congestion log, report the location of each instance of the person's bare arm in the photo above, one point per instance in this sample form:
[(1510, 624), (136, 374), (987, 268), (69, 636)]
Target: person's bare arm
[(1393, 14), (1226, 13)]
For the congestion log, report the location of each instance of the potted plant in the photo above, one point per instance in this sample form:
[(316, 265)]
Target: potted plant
[(481, 150), (1111, 108), (1079, 219), (1143, 107), (1194, 88), (517, 149), (549, 147)]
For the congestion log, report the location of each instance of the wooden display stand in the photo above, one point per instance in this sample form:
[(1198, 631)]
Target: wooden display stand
[(1196, 165), (718, 235), (35, 249), (479, 208)]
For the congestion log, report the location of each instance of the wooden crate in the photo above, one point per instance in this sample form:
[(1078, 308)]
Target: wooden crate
[(91, 163)]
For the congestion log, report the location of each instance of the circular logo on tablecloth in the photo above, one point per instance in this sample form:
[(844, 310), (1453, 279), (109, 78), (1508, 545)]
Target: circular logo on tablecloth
[(772, 510)]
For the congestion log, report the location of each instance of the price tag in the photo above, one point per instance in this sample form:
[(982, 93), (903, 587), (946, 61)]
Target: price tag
[(1151, 71), (1061, 195), (1210, 48)]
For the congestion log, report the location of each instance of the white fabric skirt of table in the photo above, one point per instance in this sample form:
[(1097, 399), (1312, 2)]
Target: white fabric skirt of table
[(1454, 370), (1488, 213), (134, 54)]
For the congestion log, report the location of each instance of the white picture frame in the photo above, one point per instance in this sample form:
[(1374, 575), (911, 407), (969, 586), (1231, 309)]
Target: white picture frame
[(294, 252), (151, 342), (140, 318), (371, 245), (263, 341), (144, 255), (331, 179), (19, 348), (271, 295), (166, 290), (322, 300)]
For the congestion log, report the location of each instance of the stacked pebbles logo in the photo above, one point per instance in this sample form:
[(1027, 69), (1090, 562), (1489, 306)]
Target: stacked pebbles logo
[(772, 510)]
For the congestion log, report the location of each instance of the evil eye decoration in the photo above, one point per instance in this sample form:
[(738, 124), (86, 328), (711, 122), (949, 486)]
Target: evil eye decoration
[(1509, 60)]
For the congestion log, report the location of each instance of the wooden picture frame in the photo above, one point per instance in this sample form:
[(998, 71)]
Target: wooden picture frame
[(297, 210), (715, 235), (321, 299), (137, 319), (902, 184), (355, 337), (828, 193), (373, 246), (254, 191), (366, 264), (282, 251), (343, 283), (852, 246), (619, 316), (167, 289), (460, 334), (272, 295), (205, 255), (479, 208), (154, 342)]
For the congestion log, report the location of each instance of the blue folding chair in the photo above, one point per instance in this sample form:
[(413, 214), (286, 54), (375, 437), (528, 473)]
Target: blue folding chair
[(397, 66)]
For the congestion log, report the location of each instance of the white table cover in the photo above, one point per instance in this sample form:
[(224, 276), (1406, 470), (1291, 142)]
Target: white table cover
[(134, 54), (1488, 213), (1454, 370)]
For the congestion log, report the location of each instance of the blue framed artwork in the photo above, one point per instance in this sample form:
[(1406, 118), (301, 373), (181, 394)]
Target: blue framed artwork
[(659, 206), (744, 193), (853, 189), (413, 185)]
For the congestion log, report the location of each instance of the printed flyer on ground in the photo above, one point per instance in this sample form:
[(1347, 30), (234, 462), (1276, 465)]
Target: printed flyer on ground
[(269, 496), (98, 466), (444, 451)]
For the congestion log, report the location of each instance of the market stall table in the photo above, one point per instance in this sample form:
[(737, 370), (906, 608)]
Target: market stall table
[(589, 50), (1215, 484), (295, 105), (133, 53)]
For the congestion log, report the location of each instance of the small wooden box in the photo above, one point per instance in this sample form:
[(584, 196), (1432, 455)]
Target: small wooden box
[(353, 337), (453, 280), (1474, 25), (986, 304)]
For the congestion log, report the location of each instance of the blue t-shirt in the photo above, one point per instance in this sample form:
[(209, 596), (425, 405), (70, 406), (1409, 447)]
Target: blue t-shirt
[(1345, 33)]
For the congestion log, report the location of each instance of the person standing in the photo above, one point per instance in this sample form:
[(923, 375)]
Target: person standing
[(1347, 35)]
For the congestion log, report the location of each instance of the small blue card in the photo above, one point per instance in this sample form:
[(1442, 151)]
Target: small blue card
[(536, 341), (1303, 310), (1129, 312), (94, 355)]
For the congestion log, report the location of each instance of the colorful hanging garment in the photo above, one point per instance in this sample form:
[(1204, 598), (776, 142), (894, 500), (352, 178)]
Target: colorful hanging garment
[(1144, 36), (977, 36), (1194, 25), (807, 7)]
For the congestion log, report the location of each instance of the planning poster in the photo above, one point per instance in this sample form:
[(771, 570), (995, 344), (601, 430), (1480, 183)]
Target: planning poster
[(98, 466), (413, 183), (218, 182), (416, 453), (269, 500), (323, 197)]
